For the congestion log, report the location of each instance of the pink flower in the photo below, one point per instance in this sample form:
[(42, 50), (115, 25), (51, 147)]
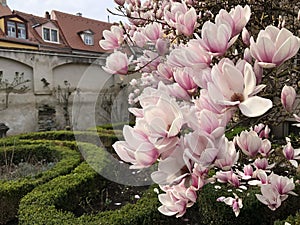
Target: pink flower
[(266, 148), (218, 45), (262, 164), (120, 2), (113, 38), (246, 36), (136, 149), (288, 96), (237, 18), (227, 156), (231, 87), (184, 77), (270, 197), (235, 203), (181, 18), (117, 63), (262, 130), (228, 177), (153, 31), (274, 46), (290, 153), (178, 197), (249, 143), (283, 185), (162, 119)]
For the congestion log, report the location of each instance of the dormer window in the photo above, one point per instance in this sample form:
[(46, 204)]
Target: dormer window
[(87, 37), (16, 29), (50, 34)]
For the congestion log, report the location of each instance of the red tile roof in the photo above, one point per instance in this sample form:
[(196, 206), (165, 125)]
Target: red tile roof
[(35, 21), (4, 10), (72, 25)]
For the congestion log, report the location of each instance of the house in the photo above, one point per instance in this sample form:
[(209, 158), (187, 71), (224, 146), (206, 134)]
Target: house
[(56, 72)]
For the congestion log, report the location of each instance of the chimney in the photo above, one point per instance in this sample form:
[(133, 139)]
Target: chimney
[(47, 15), (3, 2), (79, 14)]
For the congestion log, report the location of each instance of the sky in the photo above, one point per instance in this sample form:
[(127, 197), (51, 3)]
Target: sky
[(94, 9)]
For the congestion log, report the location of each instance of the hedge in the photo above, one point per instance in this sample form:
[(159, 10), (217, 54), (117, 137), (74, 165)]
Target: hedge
[(292, 219), (11, 191), (55, 202), (252, 213), (101, 139)]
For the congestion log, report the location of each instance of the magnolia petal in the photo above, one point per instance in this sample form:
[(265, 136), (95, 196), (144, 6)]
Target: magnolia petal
[(255, 106)]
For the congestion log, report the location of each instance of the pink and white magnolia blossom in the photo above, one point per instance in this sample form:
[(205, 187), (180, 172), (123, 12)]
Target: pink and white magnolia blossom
[(237, 18), (228, 177), (290, 153), (249, 143), (246, 36), (230, 87), (136, 149), (153, 32), (276, 191), (274, 46), (181, 18), (117, 63), (227, 156), (161, 119), (185, 78), (266, 148), (215, 46), (263, 164), (262, 130), (178, 198), (288, 97), (235, 203), (113, 38)]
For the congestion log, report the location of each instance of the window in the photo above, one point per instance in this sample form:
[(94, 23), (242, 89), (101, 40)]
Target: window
[(16, 30), (50, 34), (11, 29), (21, 30), (88, 39)]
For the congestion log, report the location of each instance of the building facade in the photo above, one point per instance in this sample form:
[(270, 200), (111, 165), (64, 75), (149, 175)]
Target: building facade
[(51, 74)]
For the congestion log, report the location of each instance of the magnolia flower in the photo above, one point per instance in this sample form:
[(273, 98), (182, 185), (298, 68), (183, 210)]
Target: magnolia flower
[(227, 156), (117, 63), (218, 45), (246, 36), (270, 197), (274, 46), (178, 197), (231, 87), (288, 96), (153, 31), (136, 149), (227, 177), (276, 191), (181, 18), (249, 143), (235, 203), (237, 18), (290, 153), (120, 2), (161, 119), (184, 77), (113, 38)]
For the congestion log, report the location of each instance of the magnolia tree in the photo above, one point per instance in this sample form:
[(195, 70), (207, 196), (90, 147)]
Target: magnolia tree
[(203, 72)]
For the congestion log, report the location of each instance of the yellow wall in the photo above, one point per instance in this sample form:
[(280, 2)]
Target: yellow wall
[(2, 27), (15, 45), (16, 19)]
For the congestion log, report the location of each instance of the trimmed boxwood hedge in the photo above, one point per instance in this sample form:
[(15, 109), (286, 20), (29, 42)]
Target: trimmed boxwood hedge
[(252, 213), (102, 139), (53, 202), (11, 191), (293, 220)]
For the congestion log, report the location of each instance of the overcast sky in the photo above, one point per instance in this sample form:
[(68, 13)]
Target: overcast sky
[(94, 9)]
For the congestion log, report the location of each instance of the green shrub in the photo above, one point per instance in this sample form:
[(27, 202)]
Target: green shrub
[(11, 191), (252, 213), (292, 219), (56, 201)]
